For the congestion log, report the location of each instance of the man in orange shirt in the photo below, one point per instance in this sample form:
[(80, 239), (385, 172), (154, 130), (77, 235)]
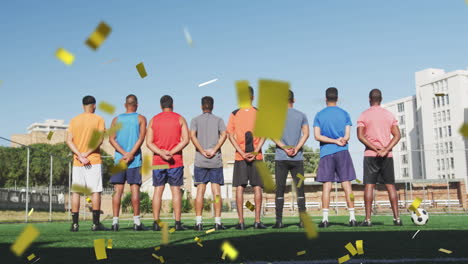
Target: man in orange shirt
[(86, 160), (248, 150)]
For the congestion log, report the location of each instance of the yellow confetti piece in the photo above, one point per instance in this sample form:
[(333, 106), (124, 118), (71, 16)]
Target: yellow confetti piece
[(243, 94), (96, 138), (351, 196), (415, 205), (161, 258), (165, 233), (155, 256), (31, 211), (229, 250), (301, 253), (100, 248), (109, 243), (116, 127), (197, 239), (262, 169), (188, 37), (81, 189), (289, 147), (309, 226), (141, 70), (343, 259), (49, 136), (106, 107), (88, 200), (98, 36), (200, 244), (157, 248), (31, 257), (65, 56), (147, 163), (464, 130), (217, 198), (445, 250), (272, 105), (360, 247), (116, 168), (209, 231), (223, 257), (439, 94), (301, 180), (358, 181), (161, 167), (249, 205), (254, 153), (351, 249), (172, 230)]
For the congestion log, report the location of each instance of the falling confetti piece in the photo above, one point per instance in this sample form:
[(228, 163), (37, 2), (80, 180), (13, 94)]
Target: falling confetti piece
[(445, 250), (301, 253), (209, 231), (109, 243), (161, 167), (172, 230), (249, 205), (49, 136), (197, 239), (165, 233), (262, 169), (88, 200), (309, 226), (217, 198), (161, 258), (100, 249), (360, 247), (208, 82), (116, 168), (301, 180), (229, 250), (344, 259), (200, 244), (99, 35), (358, 181), (415, 205), (141, 70), (439, 94), (351, 249), (415, 234), (351, 197), (106, 108), (188, 37), (65, 56), (31, 257), (96, 138), (31, 211), (146, 166), (81, 189), (157, 248), (243, 94), (464, 130)]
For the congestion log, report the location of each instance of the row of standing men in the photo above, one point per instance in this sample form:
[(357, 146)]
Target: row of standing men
[(168, 133)]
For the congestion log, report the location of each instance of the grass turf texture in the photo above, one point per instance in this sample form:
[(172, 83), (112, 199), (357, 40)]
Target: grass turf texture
[(56, 244)]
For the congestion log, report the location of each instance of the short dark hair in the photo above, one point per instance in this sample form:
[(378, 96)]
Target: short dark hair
[(166, 101), (375, 96), (131, 99), (207, 103), (251, 90), (331, 94), (291, 96), (89, 99)]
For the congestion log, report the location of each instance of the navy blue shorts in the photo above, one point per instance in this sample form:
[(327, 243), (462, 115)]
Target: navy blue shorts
[(174, 176), (206, 175), (337, 167), (132, 176)]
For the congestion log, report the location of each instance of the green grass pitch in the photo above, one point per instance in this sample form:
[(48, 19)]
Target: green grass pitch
[(383, 243)]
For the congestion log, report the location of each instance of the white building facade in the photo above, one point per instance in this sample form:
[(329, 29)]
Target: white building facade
[(48, 125)]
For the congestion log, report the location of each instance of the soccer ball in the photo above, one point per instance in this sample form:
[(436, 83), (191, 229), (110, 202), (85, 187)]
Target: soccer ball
[(420, 220)]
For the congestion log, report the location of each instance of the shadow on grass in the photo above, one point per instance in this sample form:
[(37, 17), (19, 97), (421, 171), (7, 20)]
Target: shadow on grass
[(272, 246)]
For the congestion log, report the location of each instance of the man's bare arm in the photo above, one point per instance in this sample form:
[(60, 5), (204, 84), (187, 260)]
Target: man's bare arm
[(141, 137), (149, 139), (75, 150), (395, 130), (363, 139), (196, 143), (232, 138), (325, 139), (221, 140), (184, 138), (303, 139), (113, 141)]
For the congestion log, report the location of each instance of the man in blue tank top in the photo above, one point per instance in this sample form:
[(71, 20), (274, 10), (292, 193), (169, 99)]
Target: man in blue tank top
[(127, 142)]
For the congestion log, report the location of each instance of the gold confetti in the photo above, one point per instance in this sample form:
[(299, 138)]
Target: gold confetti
[(358, 181), (146, 166), (100, 249), (243, 94), (198, 240), (161, 167), (309, 226), (81, 189), (254, 153), (445, 250), (109, 243), (262, 169), (31, 257), (249, 205), (172, 230), (351, 196), (188, 37), (116, 168), (464, 130), (301, 180), (31, 211), (343, 259), (141, 70), (439, 94), (360, 247), (116, 127), (229, 250), (165, 233), (301, 253), (65, 56), (155, 256), (49, 136), (351, 249), (106, 107), (209, 231), (200, 244), (415, 205), (88, 200), (289, 147), (96, 138), (217, 198), (161, 258), (272, 105), (157, 248), (98, 36)]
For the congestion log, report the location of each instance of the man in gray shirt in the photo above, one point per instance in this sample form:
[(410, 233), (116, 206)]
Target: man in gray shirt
[(288, 158), (208, 133)]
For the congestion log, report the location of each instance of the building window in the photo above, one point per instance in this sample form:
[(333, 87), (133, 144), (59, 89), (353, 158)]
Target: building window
[(443, 176), (449, 131), (405, 172), (401, 107), (438, 164), (434, 116), (451, 147), (452, 164), (443, 100), (403, 133), (442, 161), (403, 146), (447, 99), (445, 131), (404, 159), (435, 133), (443, 116), (448, 115), (438, 117), (453, 175), (402, 120), (440, 132), (438, 101), (433, 102), (437, 148), (446, 147)]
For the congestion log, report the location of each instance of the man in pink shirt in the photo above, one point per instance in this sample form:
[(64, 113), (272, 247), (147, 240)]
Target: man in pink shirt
[(375, 128)]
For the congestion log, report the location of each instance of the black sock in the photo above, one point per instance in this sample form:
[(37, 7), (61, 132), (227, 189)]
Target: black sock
[(75, 217), (96, 215), (177, 222)]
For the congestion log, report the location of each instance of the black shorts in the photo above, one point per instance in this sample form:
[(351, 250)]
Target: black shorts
[(378, 170), (245, 173)]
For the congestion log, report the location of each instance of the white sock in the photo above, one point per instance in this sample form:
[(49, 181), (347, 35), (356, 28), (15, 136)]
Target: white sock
[(218, 220), (198, 219), (115, 220), (136, 220), (351, 214), (325, 214)]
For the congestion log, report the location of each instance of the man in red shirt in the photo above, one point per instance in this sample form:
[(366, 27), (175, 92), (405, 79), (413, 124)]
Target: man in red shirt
[(248, 150), (166, 136)]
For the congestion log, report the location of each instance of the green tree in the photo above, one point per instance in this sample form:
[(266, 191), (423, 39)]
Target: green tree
[(311, 158)]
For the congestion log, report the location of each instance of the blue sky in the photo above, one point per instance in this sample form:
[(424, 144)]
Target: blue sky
[(354, 45)]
